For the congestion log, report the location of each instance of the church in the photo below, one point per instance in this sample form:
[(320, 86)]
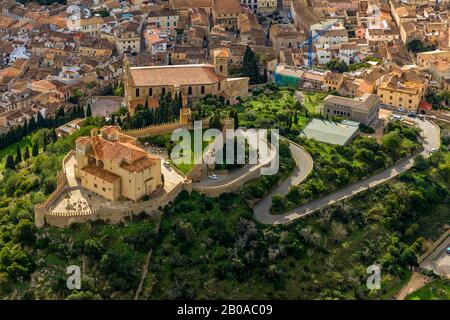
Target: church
[(191, 80)]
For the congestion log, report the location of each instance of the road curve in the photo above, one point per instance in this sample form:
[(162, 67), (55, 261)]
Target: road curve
[(431, 140), (304, 166), (237, 177)]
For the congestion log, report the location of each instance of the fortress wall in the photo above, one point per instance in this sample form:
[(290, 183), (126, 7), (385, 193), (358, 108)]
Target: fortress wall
[(41, 209), (114, 216)]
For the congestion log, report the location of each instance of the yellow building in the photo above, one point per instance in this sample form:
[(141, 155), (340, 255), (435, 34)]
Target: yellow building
[(191, 80), (111, 165), (401, 93)]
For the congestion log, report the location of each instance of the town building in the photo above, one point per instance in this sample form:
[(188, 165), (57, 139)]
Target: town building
[(363, 109), (285, 37), (113, 166), (127, 37), (226, 13), (163, 19), (399, 92)]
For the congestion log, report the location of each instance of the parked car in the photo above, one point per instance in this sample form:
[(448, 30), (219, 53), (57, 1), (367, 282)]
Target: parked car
[(411, 114), (401, 110), (166, 164), (447, 251), (213, 177)]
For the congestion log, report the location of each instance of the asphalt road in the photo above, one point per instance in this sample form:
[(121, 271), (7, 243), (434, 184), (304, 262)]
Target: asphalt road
[(238, 174), (431, 140), (304, 167), (439, 260)]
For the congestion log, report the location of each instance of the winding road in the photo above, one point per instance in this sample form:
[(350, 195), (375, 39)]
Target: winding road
[(431, 140), (229, 182)]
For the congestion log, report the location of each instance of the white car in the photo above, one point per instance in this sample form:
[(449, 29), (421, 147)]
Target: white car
[(166, 164), (213, 177)]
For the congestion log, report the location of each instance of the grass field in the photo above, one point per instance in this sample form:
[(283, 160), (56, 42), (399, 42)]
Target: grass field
[(271, 110), (11, 149), (313, 101), (186, 167), (435, 290)]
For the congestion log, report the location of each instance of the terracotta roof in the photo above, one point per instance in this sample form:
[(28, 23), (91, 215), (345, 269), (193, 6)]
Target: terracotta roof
[(138, 165), (221, 53), (425, 105), (227, 6), (192, 4), (100, 173), (194, 74)]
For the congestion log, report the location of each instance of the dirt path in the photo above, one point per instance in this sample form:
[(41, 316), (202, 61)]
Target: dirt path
[(416, 282)]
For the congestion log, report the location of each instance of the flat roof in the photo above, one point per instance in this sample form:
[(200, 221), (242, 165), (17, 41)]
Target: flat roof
[(329, 131)]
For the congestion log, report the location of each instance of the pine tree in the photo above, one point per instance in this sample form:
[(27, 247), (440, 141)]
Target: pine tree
[(88, 111), (35, 150), (18, 155), (10, 162), (26, 154)]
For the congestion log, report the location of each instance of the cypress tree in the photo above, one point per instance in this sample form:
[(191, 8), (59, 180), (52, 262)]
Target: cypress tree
[(88, 111), (10, 162), (40, 120), (26, 154), (54, 136), (35, 150), (265, 77), (251, 65), (18, 155), (25, 128)]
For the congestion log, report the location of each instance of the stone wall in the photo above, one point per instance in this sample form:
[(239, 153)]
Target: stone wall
[(150, 207), (41, 209), (155, 130)]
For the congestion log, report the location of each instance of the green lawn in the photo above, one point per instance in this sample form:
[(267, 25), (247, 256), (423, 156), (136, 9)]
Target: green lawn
[(313, 101), (270, 111), (435, 290), (186, 167), (11, 149)]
